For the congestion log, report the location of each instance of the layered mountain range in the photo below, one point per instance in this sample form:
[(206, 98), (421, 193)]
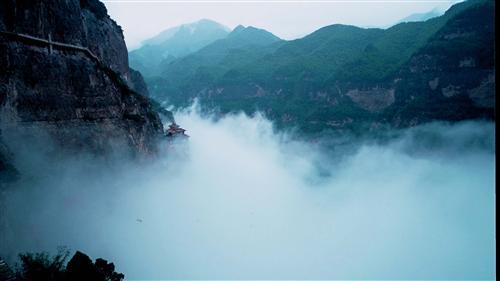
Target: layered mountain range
[(65, 80), (174, 43), (422, 16), (344, 77)]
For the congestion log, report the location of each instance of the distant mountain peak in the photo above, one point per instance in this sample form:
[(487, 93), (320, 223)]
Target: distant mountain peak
[(238, 28), (206, 21), (423, 16), (192, 27), (253, 33), (209, 21), (175, 42), (241, 27)]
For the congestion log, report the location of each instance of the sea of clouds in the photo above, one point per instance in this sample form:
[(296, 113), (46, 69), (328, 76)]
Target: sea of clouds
[(241, 201)]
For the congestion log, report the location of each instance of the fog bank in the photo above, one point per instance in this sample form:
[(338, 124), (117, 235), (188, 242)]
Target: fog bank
[(239, 201)]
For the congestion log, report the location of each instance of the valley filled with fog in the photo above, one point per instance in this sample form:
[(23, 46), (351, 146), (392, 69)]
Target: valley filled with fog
[(240, 200), (326, 140)]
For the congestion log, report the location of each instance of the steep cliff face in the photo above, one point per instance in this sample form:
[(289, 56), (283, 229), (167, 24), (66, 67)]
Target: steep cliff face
[(80, 22), (137, 82), (79, 94)]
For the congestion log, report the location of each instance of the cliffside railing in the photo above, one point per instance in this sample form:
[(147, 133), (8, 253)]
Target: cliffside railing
[(36, 41), (49, 43), (114, 76)]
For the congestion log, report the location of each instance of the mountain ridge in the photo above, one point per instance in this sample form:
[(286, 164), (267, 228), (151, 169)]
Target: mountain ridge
[(422, 16), (174, 43), (338, 72), (169, 32)]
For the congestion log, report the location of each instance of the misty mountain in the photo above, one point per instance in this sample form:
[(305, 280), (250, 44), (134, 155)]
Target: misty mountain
[(354, 187), (422, 16), (175, 43), (244, 39), (344, 77), (248, 36), (242, 46)]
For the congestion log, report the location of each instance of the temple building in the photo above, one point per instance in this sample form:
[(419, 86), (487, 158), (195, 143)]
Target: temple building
[(175, 131)]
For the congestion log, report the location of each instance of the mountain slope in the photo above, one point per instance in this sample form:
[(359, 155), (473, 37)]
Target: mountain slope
[(422, 16), (174, 43), (242, 46), (344, 77), (452, 76)]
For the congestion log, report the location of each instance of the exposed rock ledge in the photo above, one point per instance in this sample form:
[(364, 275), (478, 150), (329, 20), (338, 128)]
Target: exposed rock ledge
[(373, 100)]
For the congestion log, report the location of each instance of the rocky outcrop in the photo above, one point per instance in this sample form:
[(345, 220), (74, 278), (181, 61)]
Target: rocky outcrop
[(373, 100), (484, 94), (81, 99)]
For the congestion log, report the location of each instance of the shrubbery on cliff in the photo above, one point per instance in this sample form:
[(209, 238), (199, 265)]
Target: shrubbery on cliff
[(44, 267)]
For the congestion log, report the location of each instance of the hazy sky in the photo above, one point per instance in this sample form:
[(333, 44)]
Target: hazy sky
[(142, 19)]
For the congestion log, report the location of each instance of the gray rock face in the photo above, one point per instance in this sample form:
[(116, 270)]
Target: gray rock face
[(373, 100), (79, 102), (137, 82), (84, 23)]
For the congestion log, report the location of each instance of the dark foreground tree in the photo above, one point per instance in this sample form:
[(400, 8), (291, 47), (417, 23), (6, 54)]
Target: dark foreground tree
[(44, 267), (81, 268)]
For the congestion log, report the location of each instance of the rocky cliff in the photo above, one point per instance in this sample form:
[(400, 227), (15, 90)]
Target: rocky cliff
[(77, 88)]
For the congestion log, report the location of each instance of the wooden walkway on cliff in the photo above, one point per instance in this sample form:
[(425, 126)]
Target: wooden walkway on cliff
[(35, 41), (49, 43), (113, 75)]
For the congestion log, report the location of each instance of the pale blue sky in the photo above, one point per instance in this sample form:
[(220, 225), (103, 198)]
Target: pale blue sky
[(142, 19)]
